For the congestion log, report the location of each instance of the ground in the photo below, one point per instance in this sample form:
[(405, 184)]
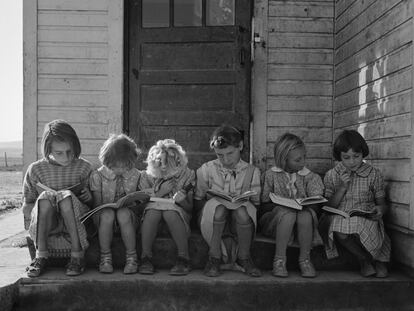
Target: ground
[(10, 188)]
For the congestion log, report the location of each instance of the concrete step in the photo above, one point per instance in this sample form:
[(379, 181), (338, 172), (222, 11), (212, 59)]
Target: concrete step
[(232, 291)]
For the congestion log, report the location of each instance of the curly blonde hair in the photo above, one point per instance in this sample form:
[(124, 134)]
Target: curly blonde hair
[(167, 155)]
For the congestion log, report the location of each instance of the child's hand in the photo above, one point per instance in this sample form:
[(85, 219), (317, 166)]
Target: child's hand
[(165, 188), (85, 196), (379, 212), (345, 179), (179, 196)]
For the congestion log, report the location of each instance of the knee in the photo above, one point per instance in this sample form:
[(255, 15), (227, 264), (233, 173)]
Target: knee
[(220, 214), (304, 218), (44, 207), (107, 216), (123, 216), (65, 204), (169, 216), (289, 217), (241, 216)]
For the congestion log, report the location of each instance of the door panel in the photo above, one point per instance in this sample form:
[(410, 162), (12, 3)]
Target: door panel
[(185, 81)]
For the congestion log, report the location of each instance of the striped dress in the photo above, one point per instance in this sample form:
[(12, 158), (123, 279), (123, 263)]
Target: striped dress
[(367, 185), (56, 177)]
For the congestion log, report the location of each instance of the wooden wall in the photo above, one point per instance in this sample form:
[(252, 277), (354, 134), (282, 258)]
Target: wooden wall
[(73, 70), (300, 77), (373, 94)]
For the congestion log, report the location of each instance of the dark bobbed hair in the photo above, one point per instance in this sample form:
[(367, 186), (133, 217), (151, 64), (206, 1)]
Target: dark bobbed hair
[(350, 139), (60, 131), (119, 150), (283, 145), (225, 136)]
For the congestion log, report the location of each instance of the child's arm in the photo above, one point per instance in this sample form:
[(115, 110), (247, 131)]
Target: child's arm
[(339, 193), (27, 210), (381, 209)]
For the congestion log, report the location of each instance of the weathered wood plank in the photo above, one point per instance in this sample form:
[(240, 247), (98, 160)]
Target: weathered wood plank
[(73, 34), (68, 50), (300, 9), (301, 24), (75, 5), (99, 132), (383, 25), (399, 103), (72, 67), (74, 115), (301, 119), (391, 84), (69, 18), (398, 192), (388, 149), (300, 40), (299, 103), (349, 28), (317, 88), (395, 126), (356, 9), (383, 66), (341, 6), (398, 214), (402, 242), (386, 44), (307, 134), (73, 99), (309, 72), (297, 56), (396, 170), (73, 83)]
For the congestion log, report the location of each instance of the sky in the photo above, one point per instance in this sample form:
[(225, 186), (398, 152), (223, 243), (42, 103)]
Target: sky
[(11, 70)]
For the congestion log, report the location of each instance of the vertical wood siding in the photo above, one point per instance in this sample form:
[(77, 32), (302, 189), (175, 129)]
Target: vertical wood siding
[(74, 81), (300, 77), (373, 90)]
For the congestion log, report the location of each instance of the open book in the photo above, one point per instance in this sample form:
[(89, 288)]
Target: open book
[(353, 212), (126, 200), (232, 198), (76, 188), (297, 203)]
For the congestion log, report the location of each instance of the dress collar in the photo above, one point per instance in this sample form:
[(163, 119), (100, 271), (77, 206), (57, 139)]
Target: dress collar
[(108, 174), (363, 171), (303, 172)]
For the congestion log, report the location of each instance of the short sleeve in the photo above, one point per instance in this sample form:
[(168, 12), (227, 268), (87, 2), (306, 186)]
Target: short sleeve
[(201, 183), (95, 181), (329, 184), (267, 186), (378, 185), (30, 193), (314, 185)]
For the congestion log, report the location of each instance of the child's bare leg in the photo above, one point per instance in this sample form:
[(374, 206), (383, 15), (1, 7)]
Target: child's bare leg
[(283, 232), (305, 233), (124, 218), (46, 221), (218, 227), (178, 232), (66, 210), (105, 230), (244, 228), (149, 228)]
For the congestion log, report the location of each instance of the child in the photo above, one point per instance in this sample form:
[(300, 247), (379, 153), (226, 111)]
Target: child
[(54, 215), (114, 179), (167, 176), (229, 174), (352, 183), (291, 179)]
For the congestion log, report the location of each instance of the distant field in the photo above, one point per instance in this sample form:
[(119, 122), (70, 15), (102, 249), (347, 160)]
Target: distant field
[(10, 189), (12, 153)]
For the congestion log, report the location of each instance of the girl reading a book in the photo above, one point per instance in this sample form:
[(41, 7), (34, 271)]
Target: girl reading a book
[(354, 184), (52, 216), (170, 182), (116, 178), (289, 178), (222, 222)]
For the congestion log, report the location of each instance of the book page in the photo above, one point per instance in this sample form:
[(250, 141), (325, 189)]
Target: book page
[(285, 201), (311, 200), (335, 211)]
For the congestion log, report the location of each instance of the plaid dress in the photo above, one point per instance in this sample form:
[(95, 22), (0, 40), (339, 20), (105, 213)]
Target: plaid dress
[(56, 177), (302, 184), (367, 185)]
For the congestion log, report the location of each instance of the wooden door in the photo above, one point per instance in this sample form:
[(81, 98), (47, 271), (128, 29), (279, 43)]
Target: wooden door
[(188, 71)]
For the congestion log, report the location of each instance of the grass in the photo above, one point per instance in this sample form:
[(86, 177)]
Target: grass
[(10, 189)]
